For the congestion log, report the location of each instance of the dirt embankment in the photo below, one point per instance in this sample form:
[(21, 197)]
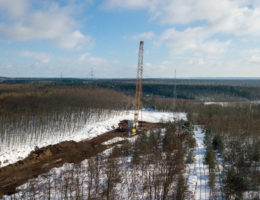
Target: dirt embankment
[(41, 160)]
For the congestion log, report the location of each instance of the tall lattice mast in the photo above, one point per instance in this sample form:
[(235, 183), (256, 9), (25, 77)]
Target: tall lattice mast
[(174, 96), (139, 82), (174, 92)]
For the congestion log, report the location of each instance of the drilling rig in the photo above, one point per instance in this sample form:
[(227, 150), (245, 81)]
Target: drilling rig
[(139, 83)]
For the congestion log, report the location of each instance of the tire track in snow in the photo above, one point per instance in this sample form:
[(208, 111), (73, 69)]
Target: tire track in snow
[(205, 184), (202, 177)]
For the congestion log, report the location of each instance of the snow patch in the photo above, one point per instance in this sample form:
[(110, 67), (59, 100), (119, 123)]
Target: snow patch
[(114, 140), (197, 172)]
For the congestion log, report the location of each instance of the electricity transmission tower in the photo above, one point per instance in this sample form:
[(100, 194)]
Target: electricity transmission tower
[(139, 82), (92, 74), (174, 96), (174, 92)]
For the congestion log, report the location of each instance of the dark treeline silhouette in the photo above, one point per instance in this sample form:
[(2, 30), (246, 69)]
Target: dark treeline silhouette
[(187, 91), (199, 89), (243, 82)]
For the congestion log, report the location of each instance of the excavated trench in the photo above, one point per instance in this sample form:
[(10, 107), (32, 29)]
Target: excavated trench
[(42, 160)]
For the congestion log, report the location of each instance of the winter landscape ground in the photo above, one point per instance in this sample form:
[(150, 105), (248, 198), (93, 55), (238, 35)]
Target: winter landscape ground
[(71, 147)]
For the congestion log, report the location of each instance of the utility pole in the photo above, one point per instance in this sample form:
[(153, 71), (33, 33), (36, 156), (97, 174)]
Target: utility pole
[(92, 74), (174, 92), (174, 95), (139, 83)]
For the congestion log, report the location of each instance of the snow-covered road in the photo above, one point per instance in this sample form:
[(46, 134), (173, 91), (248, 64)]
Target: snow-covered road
[(198, 171)]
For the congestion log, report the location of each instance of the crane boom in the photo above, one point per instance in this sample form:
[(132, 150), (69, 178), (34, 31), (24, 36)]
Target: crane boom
[(139, 82)]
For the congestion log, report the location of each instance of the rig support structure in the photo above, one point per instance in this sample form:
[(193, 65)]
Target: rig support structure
[(139, 83)]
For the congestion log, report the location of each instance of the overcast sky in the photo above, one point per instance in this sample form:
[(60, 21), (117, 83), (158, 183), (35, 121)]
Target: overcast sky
[(198, 38)]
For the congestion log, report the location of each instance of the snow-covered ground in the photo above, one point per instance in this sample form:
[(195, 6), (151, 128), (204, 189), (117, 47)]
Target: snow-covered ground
[(230, 103), (132, 185), (114, 140), (87, 132), (218, 103), (150, 116), (198, 171)]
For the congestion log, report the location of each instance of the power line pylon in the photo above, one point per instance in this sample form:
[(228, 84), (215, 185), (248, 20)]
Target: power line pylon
[(174, 96), (139, 83), (174, 92), (92, 74)]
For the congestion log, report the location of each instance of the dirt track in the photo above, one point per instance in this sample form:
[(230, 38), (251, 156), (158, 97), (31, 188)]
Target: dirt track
[(44, 159)]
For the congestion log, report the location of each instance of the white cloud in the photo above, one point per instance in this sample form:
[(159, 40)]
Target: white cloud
[(131, 4), (72, 40), (13, 8), (163, 69), (141, 36), (52, 22), (254, 59), (215, 47), (250, 51), (42, 57), (102, 67), (238, 17), (229, 16), (201, 61), (9, 65), (250, 56), (192, 39), (98, 61), (202, 20), (83, 57), (202, 67)]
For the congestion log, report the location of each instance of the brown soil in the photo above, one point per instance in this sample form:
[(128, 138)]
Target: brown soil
[(44, 159)]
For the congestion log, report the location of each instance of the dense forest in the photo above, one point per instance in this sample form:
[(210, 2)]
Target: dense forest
[(195, 89), (187, 91), (30, 115), (232, 140)]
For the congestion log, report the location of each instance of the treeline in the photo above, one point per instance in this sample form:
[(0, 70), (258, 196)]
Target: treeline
[(242, 82), (62, 99), (186, 91), (233, 148), (148, 166), (58, 102)]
